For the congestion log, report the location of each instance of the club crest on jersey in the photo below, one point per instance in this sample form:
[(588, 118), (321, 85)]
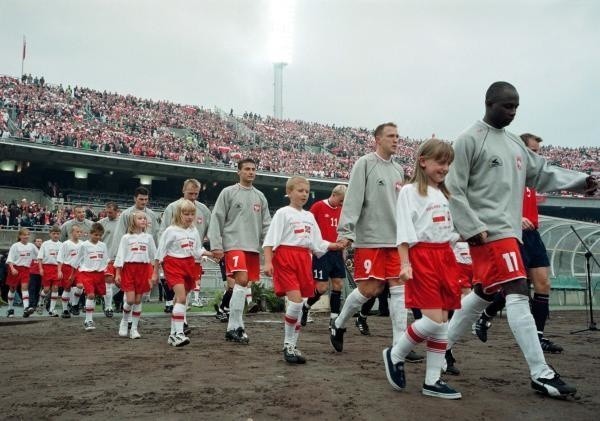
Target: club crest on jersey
[(199, 220), (257, 207), (519, 162), (398, 185), (495, 161), (380, 182)]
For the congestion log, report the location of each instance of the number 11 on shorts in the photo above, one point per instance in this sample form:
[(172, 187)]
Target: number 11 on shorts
[(511, 261)]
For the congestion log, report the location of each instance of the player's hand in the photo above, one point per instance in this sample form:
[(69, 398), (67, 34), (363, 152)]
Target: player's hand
[(405, 272), (118, 280), (345, 242), (14, 272), (268, 269), (59, 275), (41, 272), (478, 239), (526, 224), (591, 185), (217, 254)]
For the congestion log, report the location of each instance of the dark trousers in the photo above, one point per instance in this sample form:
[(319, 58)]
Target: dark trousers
[(35, 285)]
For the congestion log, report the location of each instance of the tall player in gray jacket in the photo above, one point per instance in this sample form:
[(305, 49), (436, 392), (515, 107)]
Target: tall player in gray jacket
[(368, 220), (238, 226), (491, 168)]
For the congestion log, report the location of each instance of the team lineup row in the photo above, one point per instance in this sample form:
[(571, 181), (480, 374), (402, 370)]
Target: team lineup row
[(402, 235)]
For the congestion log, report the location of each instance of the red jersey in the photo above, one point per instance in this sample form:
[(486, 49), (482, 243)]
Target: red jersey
[(327, 218), (530, 209)]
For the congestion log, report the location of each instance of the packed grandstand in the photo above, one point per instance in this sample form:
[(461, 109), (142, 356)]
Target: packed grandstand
[(78, 117)]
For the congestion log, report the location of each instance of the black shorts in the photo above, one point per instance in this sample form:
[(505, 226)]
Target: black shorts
[(330, 265), (533, 250)]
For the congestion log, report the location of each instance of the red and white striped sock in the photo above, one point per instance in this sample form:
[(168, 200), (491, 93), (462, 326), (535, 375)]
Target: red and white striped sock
[(75, 295), (436, 351), (416, 333), (89, 309), (136, 312), (248, 294), (178, 317), (292, 319), (25, 298), (126, 312), (65, 300), (53, 298)]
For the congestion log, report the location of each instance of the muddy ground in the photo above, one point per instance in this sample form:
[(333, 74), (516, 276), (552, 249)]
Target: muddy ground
[(52, 368)]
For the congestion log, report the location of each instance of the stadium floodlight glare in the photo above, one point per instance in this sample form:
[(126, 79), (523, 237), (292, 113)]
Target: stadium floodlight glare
[(282, 29)]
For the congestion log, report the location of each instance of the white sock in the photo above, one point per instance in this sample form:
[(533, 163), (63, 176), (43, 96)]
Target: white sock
[(42, 297), (53, 298), (65, 300), (108, 298), (398, 312), (416, 333), (136, 313), (292, 323), (169, 303), (76, 293), (523, 328), (126, 311), (354, 302), (11, 299), (236, 307), (196, 294), (25, 296), (178, 317), (89, 309), (248, 295), (471, 307), (436, 351)]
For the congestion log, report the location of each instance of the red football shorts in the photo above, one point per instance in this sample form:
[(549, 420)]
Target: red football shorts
[(180, 272), (93, 282), (22, 276), (292, 268), (135, 277), (243, 261), (434, 283), (465, 275), (50, 276), (67, 271), (110, 270), (378, 263), (496, 263)]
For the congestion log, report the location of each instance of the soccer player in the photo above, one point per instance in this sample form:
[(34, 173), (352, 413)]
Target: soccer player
[(290, 241), (91, 265), (491, 168), (109, 223), (191, 190), (48, 267), (535, 259), (238, 225), (141, 196), (78, 220), (331, 265), (368, 221), (20, 257)]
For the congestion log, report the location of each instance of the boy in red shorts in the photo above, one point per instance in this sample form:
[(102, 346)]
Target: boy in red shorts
[(48, 264), (91, 264)]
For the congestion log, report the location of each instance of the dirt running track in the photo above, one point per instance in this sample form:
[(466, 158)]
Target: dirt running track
[(54, 369)]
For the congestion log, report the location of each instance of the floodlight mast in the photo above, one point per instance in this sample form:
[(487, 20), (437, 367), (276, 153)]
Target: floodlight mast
[(278, 89)]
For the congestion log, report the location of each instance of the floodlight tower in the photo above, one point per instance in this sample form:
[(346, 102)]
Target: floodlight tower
[(282, 24)]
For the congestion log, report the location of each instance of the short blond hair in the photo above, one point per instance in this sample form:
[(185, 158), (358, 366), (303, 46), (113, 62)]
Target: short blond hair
[(339, 190), (193, 182), (294, 181), (183, 206), (22, 231)]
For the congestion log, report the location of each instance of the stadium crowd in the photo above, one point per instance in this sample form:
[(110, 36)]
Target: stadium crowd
[(123, 124)]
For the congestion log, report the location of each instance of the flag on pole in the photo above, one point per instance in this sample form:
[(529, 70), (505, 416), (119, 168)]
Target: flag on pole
[(24, 47)]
